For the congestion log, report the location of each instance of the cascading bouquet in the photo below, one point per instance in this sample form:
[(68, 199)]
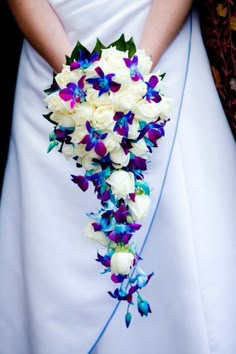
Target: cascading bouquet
[(108, 112)]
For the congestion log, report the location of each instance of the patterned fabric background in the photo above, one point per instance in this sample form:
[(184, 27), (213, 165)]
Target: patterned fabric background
[(218, 22)]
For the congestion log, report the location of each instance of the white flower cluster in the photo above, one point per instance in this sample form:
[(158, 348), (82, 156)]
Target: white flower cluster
[(85, 103), (100, 110)]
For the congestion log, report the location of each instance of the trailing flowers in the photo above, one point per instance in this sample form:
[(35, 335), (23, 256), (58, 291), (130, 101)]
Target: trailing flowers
[(108, 112)]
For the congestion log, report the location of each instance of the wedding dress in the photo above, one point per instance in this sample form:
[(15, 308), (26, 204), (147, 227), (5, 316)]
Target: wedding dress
[(53, 299)]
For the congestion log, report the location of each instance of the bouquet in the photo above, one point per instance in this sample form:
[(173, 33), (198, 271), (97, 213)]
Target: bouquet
[(108, 112)]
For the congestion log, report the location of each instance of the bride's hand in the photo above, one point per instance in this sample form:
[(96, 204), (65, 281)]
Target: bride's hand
[(43, 29), (164, 21)]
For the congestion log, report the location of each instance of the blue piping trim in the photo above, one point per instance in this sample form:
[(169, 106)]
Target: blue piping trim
[(164, 179)]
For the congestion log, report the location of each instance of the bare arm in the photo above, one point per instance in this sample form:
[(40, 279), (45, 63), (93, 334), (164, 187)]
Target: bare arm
[(164, 21), (43, 29)]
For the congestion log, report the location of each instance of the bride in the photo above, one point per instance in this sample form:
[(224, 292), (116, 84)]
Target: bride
[(53, 298)]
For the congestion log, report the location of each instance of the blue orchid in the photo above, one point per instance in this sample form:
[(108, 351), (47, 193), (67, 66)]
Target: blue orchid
[(122, 122), (151, 94), (152, 132), (94, 140), (73, 92), (121, 294), (122, 233), (137, 165), (103, 83), (132, 64), (99, 181), (106, 259), (84, 60)]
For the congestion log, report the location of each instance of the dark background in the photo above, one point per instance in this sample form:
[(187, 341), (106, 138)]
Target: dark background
[(11, 41)]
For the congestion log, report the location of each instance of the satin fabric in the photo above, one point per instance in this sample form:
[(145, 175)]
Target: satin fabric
[(53, 299)]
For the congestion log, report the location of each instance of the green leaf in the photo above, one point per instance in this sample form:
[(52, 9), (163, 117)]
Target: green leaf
[(52, 136), (75, 52), (162, 76), (120, 43), (47, 116), (54, 86), (131, 47), (52, 145), (123, 45), (98, 47), (68, 60)]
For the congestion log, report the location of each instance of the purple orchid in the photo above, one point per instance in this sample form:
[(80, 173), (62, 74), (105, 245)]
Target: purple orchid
[(108, 219), (81, 182), (121, 214), (152, 132), (122, 233), (137, 165), (126, 145), (103, 83), (100, 186), (73, 92), (132, 64), (141, 279), (122, 122), (94, 140), (106, 222), (105, 260), (151, 94), (84, 60), (118, 278), (121, 294)]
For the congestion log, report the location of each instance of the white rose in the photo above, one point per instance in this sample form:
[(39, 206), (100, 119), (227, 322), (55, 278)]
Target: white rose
[(113, 58), (80, 150), (64, 119), (128, 96), (112, 141), (139, 88), (102, 118), (122, 77), (119, 157), (122, 183), (79, 134), (144, 62), (66, 76), (146, 111), (140, 207), (139, 148), (122, 262), (165, 107), (93, 99), (68, 151), (98, 236), (83, 112), (87, 161), (124, 101), (55, 103), (133, 130)]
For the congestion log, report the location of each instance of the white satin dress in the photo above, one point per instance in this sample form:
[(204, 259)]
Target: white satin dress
[(53, 299)]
